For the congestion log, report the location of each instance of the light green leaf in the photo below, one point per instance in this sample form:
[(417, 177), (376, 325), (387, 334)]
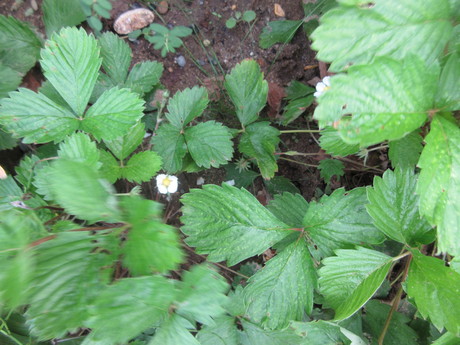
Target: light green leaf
[(114, 113), (252, 334), (58, 14), (110, 169), (248, 90), (6, 139), (116, 57), (80, 148), (447, 339), (289, 208), (249, 16), (41, 180), (49, 91), (354, 101), (71, 63), (259, 141), (329, 168), (209, 143), (352, 35), (448, 95), (169, 143), (19, 45), (320, 333), (181, 31), (435, 289), (36, 117), (280, 31), (151, 245), (228, 223), (393, 205), (349, 279), (141, 167), (25, 171), (340, 220), (331, 142), (123, 146), (144, 76), (81, 192), (405, 152), (95, 23), (9, 191), (224, 332), (139, 302), (186, 105), (230, 23), (287, 279), (174, 331), (9, 80), (439, 182)]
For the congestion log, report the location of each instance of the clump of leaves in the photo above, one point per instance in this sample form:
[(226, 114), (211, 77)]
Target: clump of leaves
[(246, 16)]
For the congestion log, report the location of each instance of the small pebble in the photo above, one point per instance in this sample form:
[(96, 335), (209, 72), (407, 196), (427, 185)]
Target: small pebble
[(34, 5), (206, 43), (201, 62), (230, 182), (199, 181), (133, 20), (170, 26), (180, 60), (163, 7), (170, 70)]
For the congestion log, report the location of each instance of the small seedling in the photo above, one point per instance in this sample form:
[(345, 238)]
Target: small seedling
[(94, 9), (247, 16)]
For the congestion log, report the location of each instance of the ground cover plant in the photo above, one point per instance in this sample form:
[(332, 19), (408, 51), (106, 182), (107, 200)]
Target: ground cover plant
[(89, 256)]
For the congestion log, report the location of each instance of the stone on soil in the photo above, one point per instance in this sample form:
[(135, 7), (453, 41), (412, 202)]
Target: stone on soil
[(133, 20)]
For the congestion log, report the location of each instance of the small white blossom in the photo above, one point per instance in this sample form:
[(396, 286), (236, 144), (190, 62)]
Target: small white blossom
[(322, 86), (167, 183), (3, 175), (230, 182)]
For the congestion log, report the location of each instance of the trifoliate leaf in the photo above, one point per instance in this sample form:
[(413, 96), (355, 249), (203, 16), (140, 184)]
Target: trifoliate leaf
[(349, 279), (58, 14), (405, 152), (113, 114), (66, 266), (287, 279), (354, 101), (393, 205), (186, 105), (174, 331), (169, 143), (331, 142), (439, 182), (209, 143), (448, 96), (141, 167), (116, 57), (228, 223), (248, 90), (224, 332), (320, 333), (398, 331), (81, 192), (280, 31), (144, 76), (36, 117), (435, 289), (329, 168), (79, 148), (340, 220), (151, 245), (259, 141), (289, 208), (110, 169), (139, 302), (19, 45), (71, 63), (352, 35), (123, 146), (9, 81), (252, 334)]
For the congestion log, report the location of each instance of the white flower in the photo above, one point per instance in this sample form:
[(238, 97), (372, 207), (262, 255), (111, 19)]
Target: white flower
[(322, 86), (3, 175), (167, 183)]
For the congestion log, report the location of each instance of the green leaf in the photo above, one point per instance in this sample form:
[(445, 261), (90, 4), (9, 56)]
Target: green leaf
[(289, 208), (354, 101), (9, 80), (279, 185), (340, 220), (352, 35), (70, 263), (331, 142), (259, 141), (248, 90), (151, 245), (71, 63), (114, 113), (139, 302), (186, 105), (169, 143), (252, 334), (398, 331), (320, 333), (393, 205), (296, 108), (228, 223), (174, 332), (110, 169), (249, 16), (280, 31), (123, 146), (6, 139), (25, 171), (100, 10), (58, 14), (435, 289), (296, 89), (9, 192), (181, 31), (439, 182), (95, 23), (144, 76), (230, 23), (224, 332), (447, 339), (243, 178), (209, 143), (287, 279), (116, 57), (36, 117), (19, 45), (405, 152), (448, 95), (141, 167), (79, 148), (329, 168), (349, 279), (81, 192)]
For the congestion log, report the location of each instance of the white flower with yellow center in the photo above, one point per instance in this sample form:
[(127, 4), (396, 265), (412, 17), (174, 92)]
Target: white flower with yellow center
[(322, 86), (167, 184)]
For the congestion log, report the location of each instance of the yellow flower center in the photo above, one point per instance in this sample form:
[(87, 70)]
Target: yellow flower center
[(326, 88), (166, 182)]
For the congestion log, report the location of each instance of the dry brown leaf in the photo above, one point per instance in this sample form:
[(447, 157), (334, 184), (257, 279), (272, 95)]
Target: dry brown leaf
[(279, 12), (275, 95)]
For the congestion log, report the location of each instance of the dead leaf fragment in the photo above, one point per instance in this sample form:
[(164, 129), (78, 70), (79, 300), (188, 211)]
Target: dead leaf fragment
[(275, 95), (279, 12)]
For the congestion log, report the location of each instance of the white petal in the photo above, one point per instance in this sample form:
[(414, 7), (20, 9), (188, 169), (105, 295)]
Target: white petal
[(162, 189), (321, 86), (327, 81), (3, 175), (172, 188), (317, 94)]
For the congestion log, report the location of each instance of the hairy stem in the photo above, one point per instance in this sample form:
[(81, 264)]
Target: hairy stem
[(300, 131)]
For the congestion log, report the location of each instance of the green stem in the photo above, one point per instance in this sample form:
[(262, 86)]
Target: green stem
[(301, 131), (302, 163)]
